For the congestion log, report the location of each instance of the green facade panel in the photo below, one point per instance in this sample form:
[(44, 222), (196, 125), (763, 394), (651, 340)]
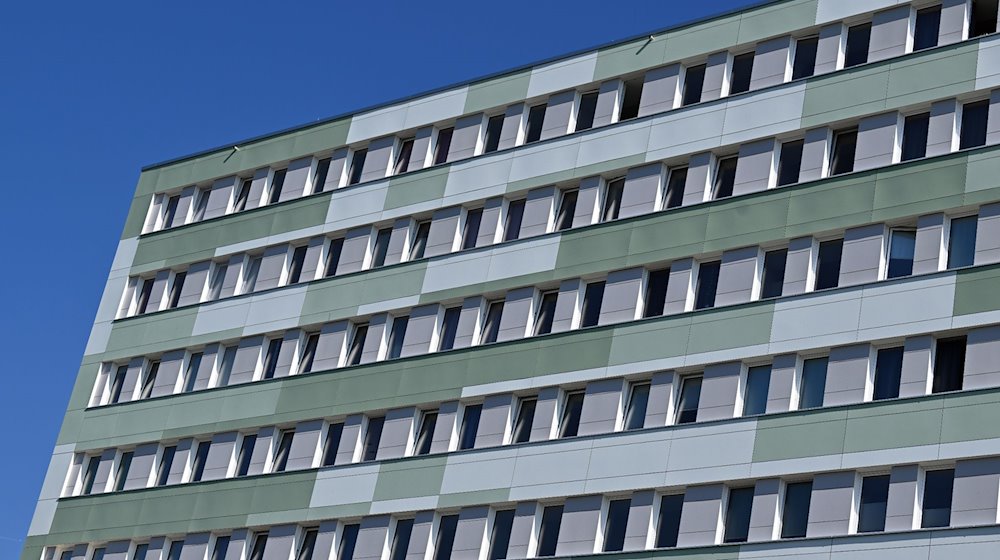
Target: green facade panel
[(703, 38), (412, 188), (976, 290), (776, 19), (410, 479), (497, 92)]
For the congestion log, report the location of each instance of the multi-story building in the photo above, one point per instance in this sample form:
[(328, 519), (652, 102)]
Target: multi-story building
[(727, 291)]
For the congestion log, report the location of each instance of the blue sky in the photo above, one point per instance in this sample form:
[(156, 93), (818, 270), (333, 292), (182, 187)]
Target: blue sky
[(91, 92)]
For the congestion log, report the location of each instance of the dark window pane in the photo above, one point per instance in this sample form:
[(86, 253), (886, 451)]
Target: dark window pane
[(271, 358), (246, 454), (525, 420), (567, 208), (493, 129), (259, 546), (166, 461), (915, 136), (656, 292), (426, 435), (533, 130), (742, 69), (844, 146), (201, 455), (445, 537), (790, 162), (858, 38), (962, 242), (631, 98), (333, 256), (242, 196), (372, 437), (403, 156), (570, 423), (515, 213), (592, 299), (725, 177), (925, 35), (548, 534), (443, 145), (357, 164), (828, 264), (888, 370), (974, 118), (503, 523), (874, 498), (470, 425), (322, 171), (774, 273), (675, 187), (218, 551), (708, 283), (938, 486), (694, 81), (805, 58), (613, 200), (295, 267), (491, 327), (546, 312), (984, 18), (332, 443), (175, 289), (122, 473), (396, 336), (738, 515), (401, 539), (638, 402), (284, 447), (687, 408), (348, 540), (795, 514), (669, 522), (473, 218), (758, 383), (357, 345), (902, 244), (277, 182), (614, 531), (585, 116), (449, 328), (381, 248), (813, 383), (949, 364), (419, 244)]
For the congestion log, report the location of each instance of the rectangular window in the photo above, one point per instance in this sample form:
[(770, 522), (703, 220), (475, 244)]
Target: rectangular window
[(804, 64), (175, 289), (449, 328), (569, 425), (348, 541), (902, 244), (443, 145), (271, 358), (284, 447), (915, 129), (149, 380), (795, 514), (525, 420), (588, 106), (144, 293), (322, 171), (419, 244), (242, 196), (974, 119), (533, 128), (790, 162), (548, 533), (567, 209), (755, 396), (638, 402), (694, 82), (397, 335), (118, 383), (166, 461), (309, 353), (470, 426), (218, 551), (357, 164), (938, 486), (773, 277), (332, 443), (949, 364), (202, 205), (845, 144), (426, 435), (928, 24), (675, 187), (813, 383), (357, 345), (177, 547), (491, 326), (888, 371), (739, 80), (546, 312), (122, 473), (333, 257), (470, 232), (295, 266), (738, 515), (656, 292), (401, 539), (191, 374), (170, 212), (708, 283), (631, 99), (725, 177), (259, 545), (308, 545), (687, 405), (984, 18), (381, 248), (858, 39), (200, 456), (613, 200), (668, 522), (218, 280), (403, 156), (962, 242), (515, 214), (90, 475), (503, 524), (445, 541), (828, 264), (874, 499), (246, 454), (250, 277), (494, 126), (593, 297), (614, 529), (277, 183), (372, 436)]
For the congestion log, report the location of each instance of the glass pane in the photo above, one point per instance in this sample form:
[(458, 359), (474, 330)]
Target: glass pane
[(546, 312), (925, 35), (738, 515), (687, 408), (805, 58), (401, 539), (938, 486), (902, 245), (949, 364), (828, 264), (567, 208), (372, 437), (813, 383), (675, 187), (635, 415), (503, 522), (515, 213), (888, 370), (974, 118), (795, 515), (774, 273), (669, 522), (449, 328), (915, 129), (962, 242), (742, 69), (694, 81), (708, 283), (656, 292), (858, 38), (494, 127), (614, 532), (844, 147), (585, 115), (570, 424), (426, 435), (592, 299), (470, 425), (790, 162), (533, 130), (525, 420), (725, 177), (758, 383), (473, 218), (548, 534), (874, 498)]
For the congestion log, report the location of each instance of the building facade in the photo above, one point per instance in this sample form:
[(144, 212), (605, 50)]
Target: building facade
[(727, 291)]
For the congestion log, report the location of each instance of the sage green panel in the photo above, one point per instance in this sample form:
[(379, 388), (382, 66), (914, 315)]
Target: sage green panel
[(748, 222), (497, 92), (703, 38), (618, 60), (32, 551), (721, 329), (971, 416), (338, 298), (833, 204), (421, 186), (137, 210), (913, 190), (589, 348), (801, 434), (845, 95), (676, 233), (779, 18), (199, 241), (579, 172), (133, 336), (976, 290), (981, 183), (906, 424), (412, 478), (606, 243), (934, 75), (650, 340)]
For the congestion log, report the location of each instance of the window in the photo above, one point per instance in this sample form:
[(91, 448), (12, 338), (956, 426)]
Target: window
[(470, 232), (90, 475), (332, 443), (357, 164), (984, 18), (200, 456), (175, 289), (755, 396), (790, 162), (357, 345), (593, 296), (348, 540), (491, 326), (742, 69), (242, 196), (284, 446), (271, 358), (470, 425), (144, 293), (708, 283), (795, 514), (631, 98), (322, 171), (902, 244), (177, 547), (443, 145), (858, 38), (122, 473), (419, 244), (150, 380), (533, 128), (381, 248), (588, 106), (938, 486), (613, 200), (503, 523), (738, 515), (403, 156), (725, 177), (844, 144), (614, 530), (888, 370), (548, 533), (333, 257), (638, 402), (259, 545), (250, 277), (449, 328), (445, 540), (401, 539), (925, 33), (675, 187), (804, 64), (166, 462), (915, 136), (515, 213), (246, 454), (974, 118), (218, 551), (773, 282), (426, 435), (567, 209), (874, 499), (308, 545), (218, 281), (572, 408), (170, 212), (828, 264), (277, 182), (396, 336), (295, 267), (372, 436), (309, 353), (494, 127), (813, 383), (546, 312), (524, 421), (962, 242), (668, 522), (118, 383), (949, 364), (687, 406), (191, 374), (656, 292), (694, 81)]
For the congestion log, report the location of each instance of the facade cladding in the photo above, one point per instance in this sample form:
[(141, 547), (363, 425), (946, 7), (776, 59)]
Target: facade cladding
[(729, 292)]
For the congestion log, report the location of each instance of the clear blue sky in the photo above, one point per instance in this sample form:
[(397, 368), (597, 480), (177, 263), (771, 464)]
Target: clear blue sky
[(91, 92)]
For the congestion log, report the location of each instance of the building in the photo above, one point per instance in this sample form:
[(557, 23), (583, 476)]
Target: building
[(729, 291)]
